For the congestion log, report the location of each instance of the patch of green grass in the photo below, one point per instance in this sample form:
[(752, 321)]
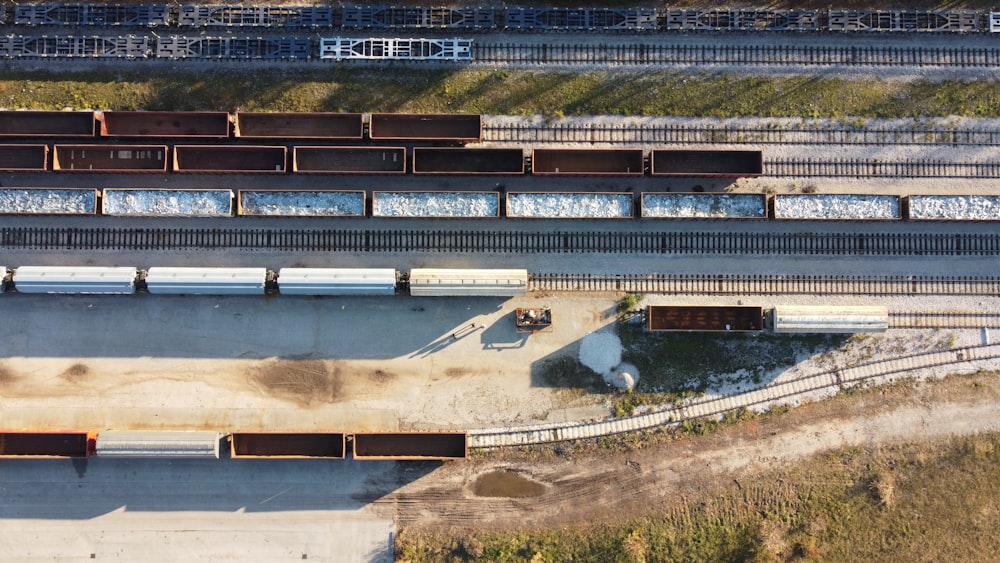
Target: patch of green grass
[(904, 503), (400, 88)]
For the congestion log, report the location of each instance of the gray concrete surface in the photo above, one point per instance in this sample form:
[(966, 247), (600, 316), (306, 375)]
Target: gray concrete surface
[(213, 510)]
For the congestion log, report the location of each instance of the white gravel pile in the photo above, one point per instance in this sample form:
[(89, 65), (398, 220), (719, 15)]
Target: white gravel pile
[(708, 206), (168, 203), (602, 352), (959, 207), (836, 206), (435, 204), (569, 205), (48, 202), (302, 204)]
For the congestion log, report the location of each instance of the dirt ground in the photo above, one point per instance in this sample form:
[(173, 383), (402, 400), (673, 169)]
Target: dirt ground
[(567, 484)]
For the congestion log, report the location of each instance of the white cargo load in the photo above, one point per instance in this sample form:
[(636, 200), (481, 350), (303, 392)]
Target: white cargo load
[(158, 443), (337, 281), (75, 279), (139, 202), (830, 319), (448, 282), (206, 281)]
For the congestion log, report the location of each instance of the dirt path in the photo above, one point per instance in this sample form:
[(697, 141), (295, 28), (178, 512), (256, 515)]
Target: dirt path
[(603, 485)]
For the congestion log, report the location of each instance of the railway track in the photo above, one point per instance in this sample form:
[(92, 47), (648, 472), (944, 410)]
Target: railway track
[(665, 54), (936, 319), (503, 242), (785, 134), (829, 382), (766, 284), (808, 167)]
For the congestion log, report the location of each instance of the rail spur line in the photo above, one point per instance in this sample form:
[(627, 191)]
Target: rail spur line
[(843, 168), (524, 133), (774, 284), (938, 319), (496, 241), (484, 52), (967, 359)]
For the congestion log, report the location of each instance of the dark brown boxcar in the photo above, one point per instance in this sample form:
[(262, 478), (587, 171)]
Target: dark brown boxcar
[(165, 124), (467, 161), (723, 164), (411, 445), (349, 160), (46, 444), (47, 124), (229, 159), (705, 319), (299, 125), (110, 158), (24, 157), (426, 127), (589, 162), (288, 445)]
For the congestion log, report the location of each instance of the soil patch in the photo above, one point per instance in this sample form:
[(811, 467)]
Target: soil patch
[(305, 382), (506, 484), (75, 373)]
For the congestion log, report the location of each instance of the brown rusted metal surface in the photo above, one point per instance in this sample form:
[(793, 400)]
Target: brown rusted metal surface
[(705, 319), (46, 444), (288, 445), (110, 158), (165, 124), (725, 164), (299, 125), (467, 161), (24, 157), (47, 124), (411, 445), (590, 162), (349, 160), (229, 159), (426, 127)]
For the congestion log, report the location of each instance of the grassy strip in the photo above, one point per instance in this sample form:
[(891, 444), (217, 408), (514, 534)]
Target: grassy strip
[(901, 502), (402, 89)]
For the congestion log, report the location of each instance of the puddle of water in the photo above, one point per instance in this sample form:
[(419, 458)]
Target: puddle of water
[(506, 484)]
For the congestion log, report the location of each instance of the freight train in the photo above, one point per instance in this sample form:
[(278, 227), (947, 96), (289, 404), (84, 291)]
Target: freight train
[(419, 446), (514, 18)]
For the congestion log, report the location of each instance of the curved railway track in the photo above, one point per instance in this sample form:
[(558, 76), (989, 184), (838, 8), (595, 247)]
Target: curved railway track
[(785, 134), (770, 284), (788, 392), (497, 241), (484, 52)]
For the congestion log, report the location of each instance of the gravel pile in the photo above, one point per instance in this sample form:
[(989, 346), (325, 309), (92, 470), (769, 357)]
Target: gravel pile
[(569, 205), (48, 202), (302, 204), (168, 203), (709, 206), (435, 204), (959, 207), (836, 207)]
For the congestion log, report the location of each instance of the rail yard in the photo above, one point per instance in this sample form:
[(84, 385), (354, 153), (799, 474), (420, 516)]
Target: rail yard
[(341, 286)]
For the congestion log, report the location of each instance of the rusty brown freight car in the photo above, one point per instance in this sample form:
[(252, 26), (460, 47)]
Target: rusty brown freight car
[(719, 164), (109, 158), (27, 158), (467, 161), (214, 124), (349, 160), (47, 444), (426, 127), (705, 319), (587, 162), (47, 124), (257, 125), (411, 445), (229, 159), (288, 445)]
